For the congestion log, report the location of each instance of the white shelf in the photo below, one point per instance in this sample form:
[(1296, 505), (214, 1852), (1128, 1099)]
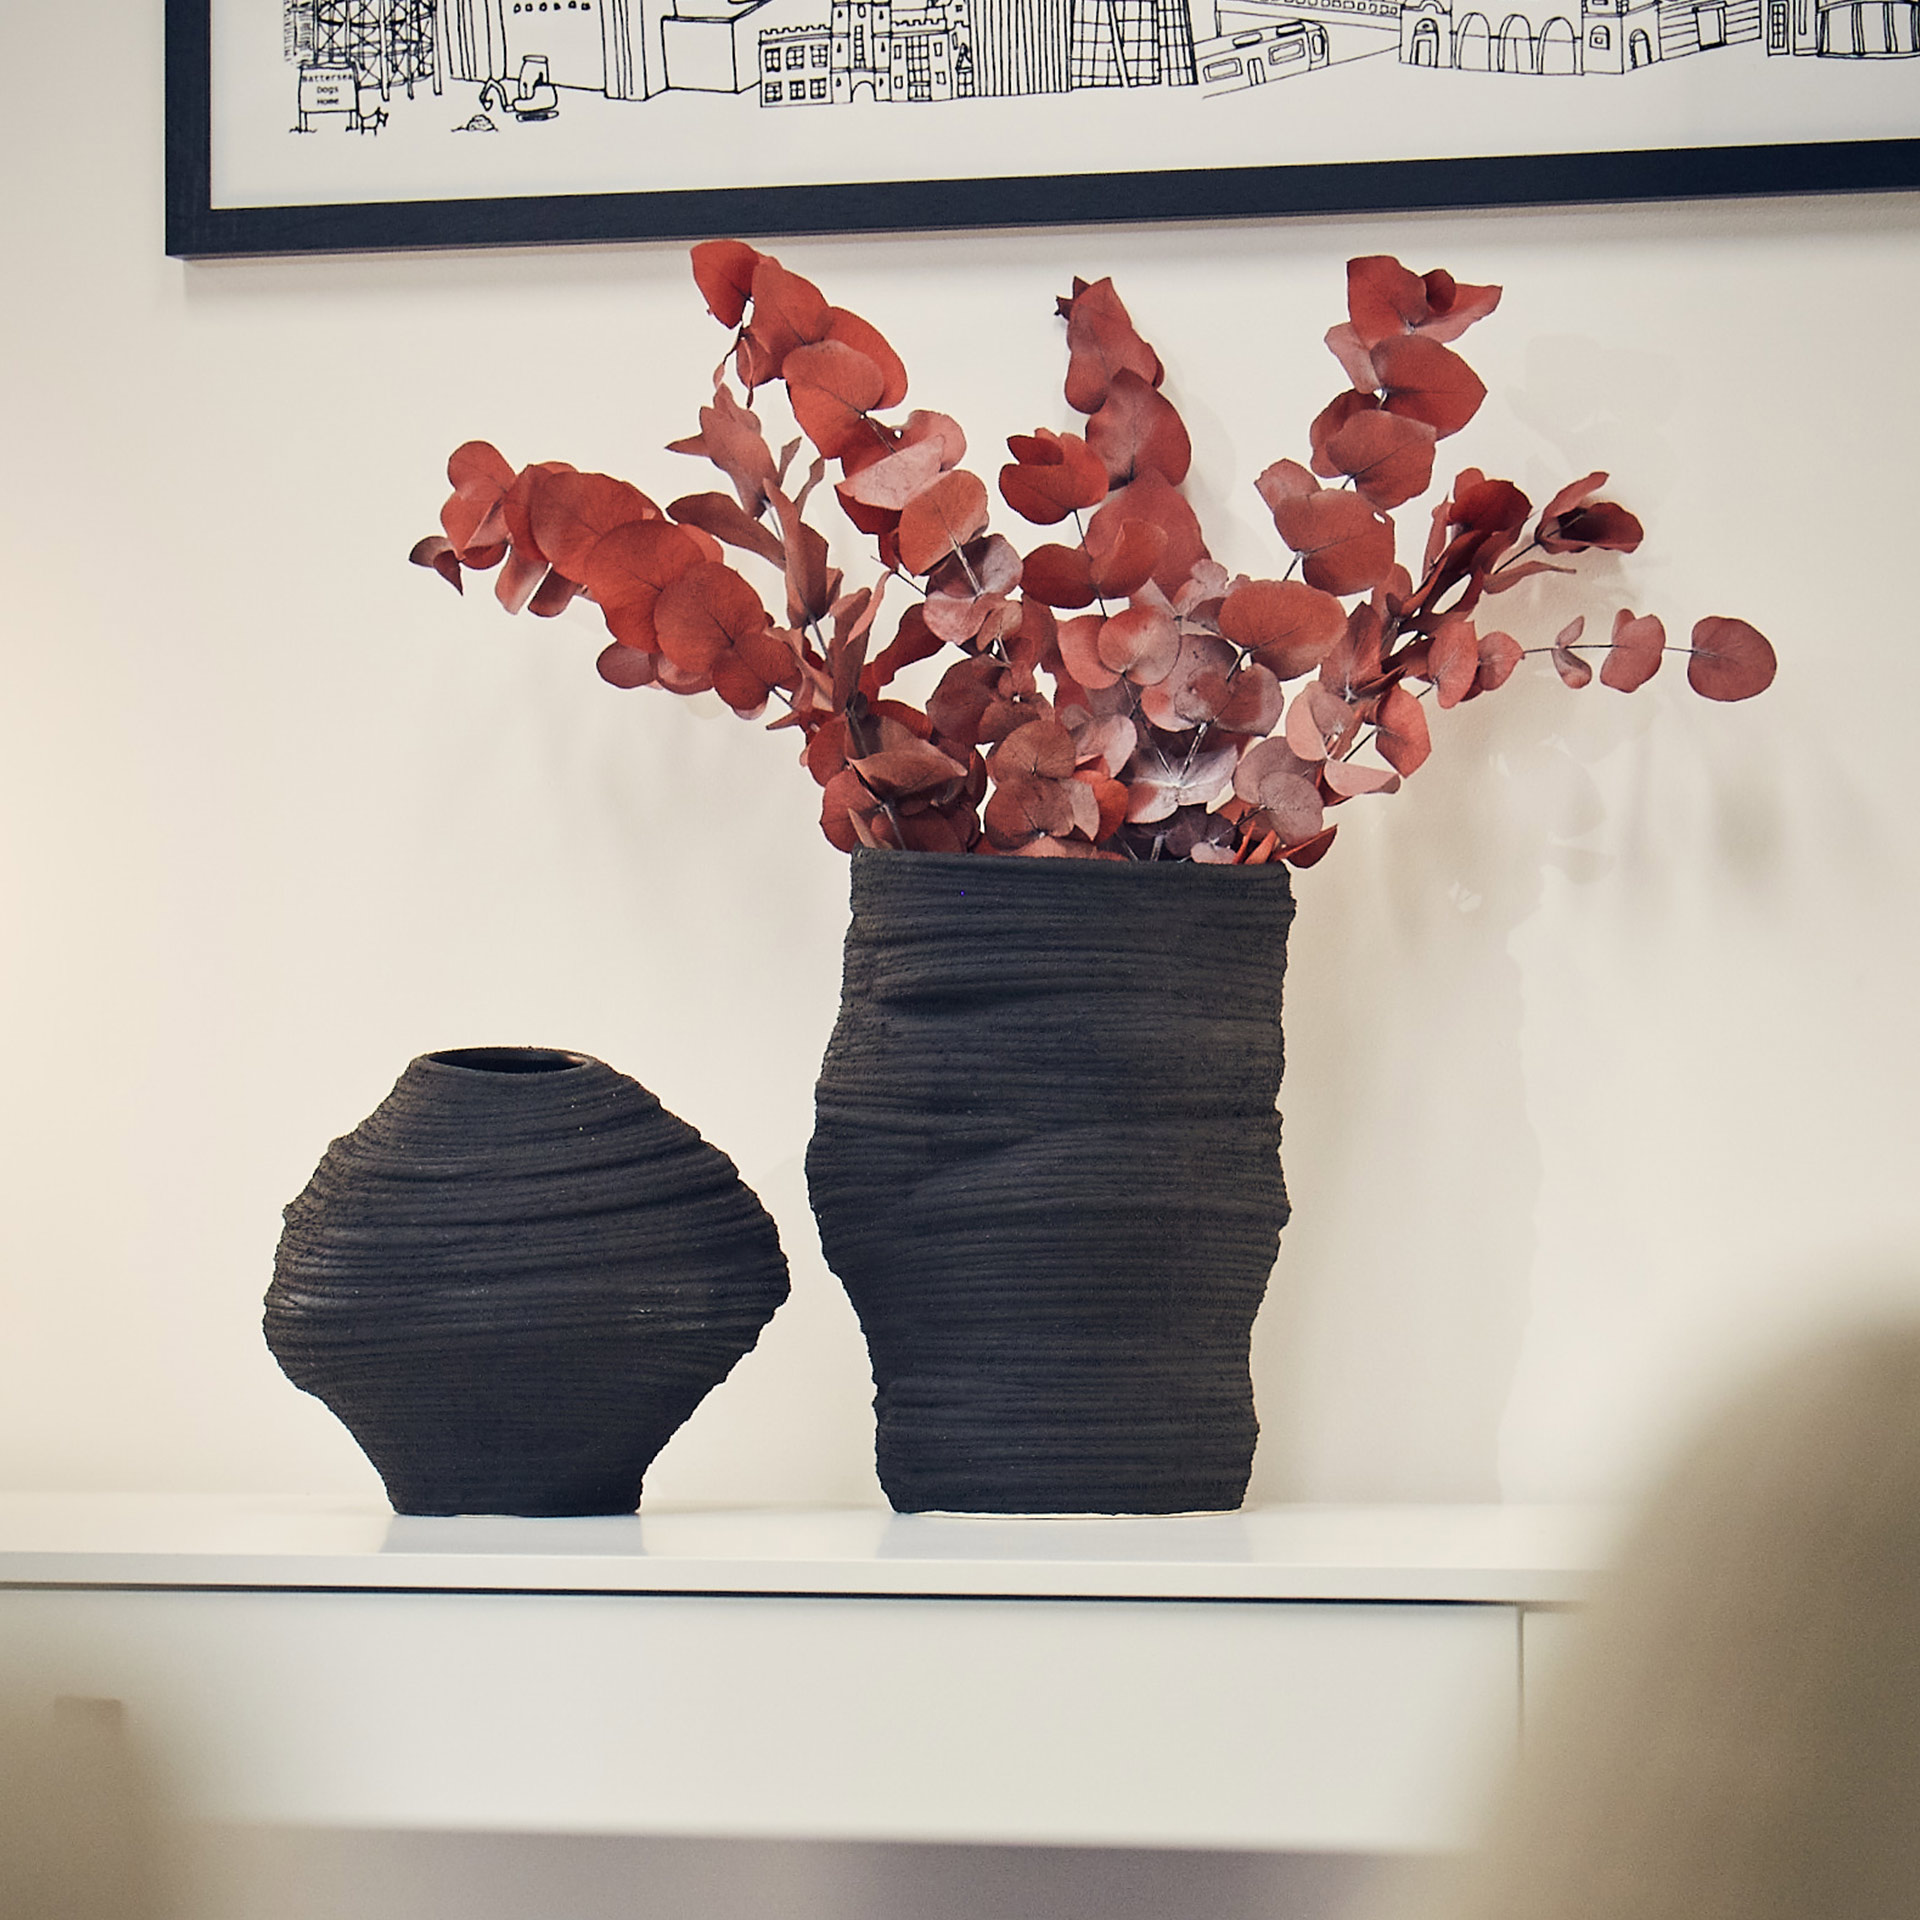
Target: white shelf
[(1310, 1678), (1514, 1555)]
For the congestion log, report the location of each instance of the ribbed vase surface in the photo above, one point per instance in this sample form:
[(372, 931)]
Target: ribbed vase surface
[(516, 1279), (1046, 1168)]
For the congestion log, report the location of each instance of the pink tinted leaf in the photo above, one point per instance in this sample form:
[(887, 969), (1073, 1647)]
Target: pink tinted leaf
[(1633, 658), (1731, 660), (1401, 731), (850, 330), (942, 518), (622, 666), (1350, 778), (1354, 355), (436, 551), (1500, 653), (726, 520), (1138, 431), (1453, 659), (1568, 664), (1142, 643)]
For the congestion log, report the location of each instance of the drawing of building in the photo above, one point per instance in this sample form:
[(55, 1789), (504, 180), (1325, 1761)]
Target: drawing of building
[(1844, 29), (1569, 36), (933, 53), (796, 66), (1130, 43), (1021, 46), (386, 44)]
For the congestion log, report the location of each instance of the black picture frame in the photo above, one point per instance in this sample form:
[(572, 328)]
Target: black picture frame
[(195, 228)]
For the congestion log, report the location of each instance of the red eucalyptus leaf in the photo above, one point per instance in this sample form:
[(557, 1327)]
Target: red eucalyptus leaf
[(723, 271), (1286, 625), (1055, 475), (1354, 355), (1349, 779), (788, 312), (727, 520), (1593, 523), (1104, 745), (730, 437), (1043, 748), (1060, 576), (1401, 731), (1138, 431), (1353, 663), (516, 582), (1079, 644), (1388, 456), (1634, 657), (621, 666), (1253, 700), (436, 551), (1385, 298), (1320, 725), (1282, 791), (863, 337), (1568, 664), (701, 614), (1453, 660), (1731, 660), (481, 476), (833, 387), (633, 562), (1426, 381), (1151, 498), (1193, 774), (1142, 643), (1193, 690), (1330, 419), (1102, 342), (1285, 480), (1311, 851), (959, 704), (942, 518), (1123, 554), (1022, 807), (553, 595), (1500, 653), (907, 766), (1345, 546), (570, 512)]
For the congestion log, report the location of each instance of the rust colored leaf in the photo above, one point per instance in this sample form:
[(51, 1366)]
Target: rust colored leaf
[(1193, 689), (553, 595), (1286, 625), (1354, 355), (1320, 725), (1055, 474), (1388, 456), (1155, 500), (833, 387), (892, 478), (726, 520), (570, 512), (1123, 553), (1426, 381), (1633, 658), (700, 614), (723, 271), (1285, 480), (1401, 731), (1731, 660), (942, 518), (1353, 664), (1351, 778), (632, 563), (1042, 748), (1104, 744), (1282, 791), (906, 766), (516, 582), (1253, 700), (1191, 773), (480, 475), (1061, 576), (1500, 653), (1101, 343), (788, 312), (1345, 546), (959, 704), (622, 666), (1384, 298), (1022, 807), (436, 551), (1079, 644), (1142, 643), (1573, 521), (1330, 419), (1453, 660), (730, 437), (1311, 851), (1568, 664), (863, 337), (1137, 431)]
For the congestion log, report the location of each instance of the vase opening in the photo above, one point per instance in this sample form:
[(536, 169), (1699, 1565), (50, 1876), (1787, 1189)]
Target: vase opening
[(509, 1059)]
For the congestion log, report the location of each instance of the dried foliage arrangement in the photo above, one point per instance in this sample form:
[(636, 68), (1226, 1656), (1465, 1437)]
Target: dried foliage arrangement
[(1116, 694)]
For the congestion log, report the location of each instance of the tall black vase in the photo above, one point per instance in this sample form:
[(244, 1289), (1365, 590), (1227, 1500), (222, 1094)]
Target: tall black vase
[(1046, 1168), (515, 1279)]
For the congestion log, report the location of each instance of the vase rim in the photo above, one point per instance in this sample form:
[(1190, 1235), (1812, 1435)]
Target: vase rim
[(508, 1060)]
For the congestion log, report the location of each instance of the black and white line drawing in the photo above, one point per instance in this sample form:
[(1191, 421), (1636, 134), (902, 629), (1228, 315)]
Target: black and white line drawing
[(360, 61)]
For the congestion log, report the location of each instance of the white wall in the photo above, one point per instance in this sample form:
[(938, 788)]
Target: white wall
[(1602, 1038)]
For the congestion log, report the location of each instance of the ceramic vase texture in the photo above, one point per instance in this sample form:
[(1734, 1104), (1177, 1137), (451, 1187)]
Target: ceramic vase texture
[(516, 1279), (1046, 1168)]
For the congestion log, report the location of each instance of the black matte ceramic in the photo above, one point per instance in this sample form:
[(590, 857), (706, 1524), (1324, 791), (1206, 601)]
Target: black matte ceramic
[(1046, 1168), (516, 1279)]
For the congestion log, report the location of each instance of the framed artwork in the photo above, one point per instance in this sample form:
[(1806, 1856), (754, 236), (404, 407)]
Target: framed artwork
[(317, 125)]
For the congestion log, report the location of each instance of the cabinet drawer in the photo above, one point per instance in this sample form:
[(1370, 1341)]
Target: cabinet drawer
[(1214, 1724)]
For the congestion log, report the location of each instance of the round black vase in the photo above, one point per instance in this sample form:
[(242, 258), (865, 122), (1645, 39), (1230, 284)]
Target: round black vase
[(1046, 1168), (515, 1279)]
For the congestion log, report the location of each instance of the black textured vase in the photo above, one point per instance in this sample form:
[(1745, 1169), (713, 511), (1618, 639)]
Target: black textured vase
[(515, 1279), (1046, 1168)]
